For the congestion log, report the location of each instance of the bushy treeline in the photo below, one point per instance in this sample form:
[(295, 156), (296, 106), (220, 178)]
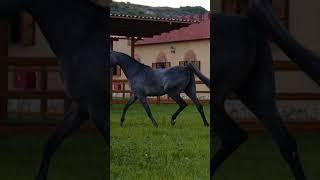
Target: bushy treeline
[(141, 10)]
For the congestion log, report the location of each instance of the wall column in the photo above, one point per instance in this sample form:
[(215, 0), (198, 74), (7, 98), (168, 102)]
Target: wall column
[(111, 74), (132, 46), (3, 71)]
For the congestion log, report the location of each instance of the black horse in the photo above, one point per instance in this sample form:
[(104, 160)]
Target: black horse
[(77, 31), (242, 63), (145, 81)]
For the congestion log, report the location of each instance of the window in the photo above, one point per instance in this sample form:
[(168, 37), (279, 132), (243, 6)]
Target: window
[(25, 80), (190, 56), (161, 65), (162, 57), (281, 7), (161, 61), (116, 71), (117, 86), (183, 63)]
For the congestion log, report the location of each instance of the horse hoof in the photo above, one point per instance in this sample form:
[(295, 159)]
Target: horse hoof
[(121, 122), (173, 122)]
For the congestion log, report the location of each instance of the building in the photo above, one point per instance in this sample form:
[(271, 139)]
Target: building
[(30, 75), (174, 48)]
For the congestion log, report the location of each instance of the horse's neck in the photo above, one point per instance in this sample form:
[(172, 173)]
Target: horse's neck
[(130, 67), (69, 24)]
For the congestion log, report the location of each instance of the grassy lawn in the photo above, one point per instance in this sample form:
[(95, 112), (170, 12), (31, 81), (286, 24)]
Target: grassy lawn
[(140, 151), (260, 159), (81, 157)]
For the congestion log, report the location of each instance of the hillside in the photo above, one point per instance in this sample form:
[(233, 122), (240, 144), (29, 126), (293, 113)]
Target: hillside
[(141, 10)]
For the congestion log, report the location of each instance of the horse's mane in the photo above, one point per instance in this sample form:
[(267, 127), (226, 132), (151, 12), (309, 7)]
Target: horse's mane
[(131, 58)]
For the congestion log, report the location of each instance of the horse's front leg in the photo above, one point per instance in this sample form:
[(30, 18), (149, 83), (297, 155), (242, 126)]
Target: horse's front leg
[(145, 104), (126, 107), (99, 113), (73, 119), (182, 104)]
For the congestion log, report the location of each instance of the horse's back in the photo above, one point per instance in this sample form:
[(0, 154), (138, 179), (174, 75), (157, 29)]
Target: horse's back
[(156, 82), (176, 78), (146, 83), (233, 49)]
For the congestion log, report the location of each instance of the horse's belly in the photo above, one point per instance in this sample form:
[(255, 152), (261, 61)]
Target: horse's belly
[(154, 91), (85, 85)]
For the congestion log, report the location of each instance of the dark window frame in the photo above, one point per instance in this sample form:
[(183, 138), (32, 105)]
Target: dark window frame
[(161, 65), (197, 63)]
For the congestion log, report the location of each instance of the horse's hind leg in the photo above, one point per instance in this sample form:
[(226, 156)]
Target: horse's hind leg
[(73, 119), (99, 114), (264, 107), (182, 104), (267, 112), (191, 93), (227, 130), (258, 95), (132, 99), (144, 102)]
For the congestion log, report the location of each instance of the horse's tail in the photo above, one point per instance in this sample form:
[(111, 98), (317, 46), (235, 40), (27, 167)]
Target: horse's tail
[(197, 72), (262, 12)]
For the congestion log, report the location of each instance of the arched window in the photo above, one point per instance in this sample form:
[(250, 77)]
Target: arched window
[(162, 57), (190, 56), (161, 61)]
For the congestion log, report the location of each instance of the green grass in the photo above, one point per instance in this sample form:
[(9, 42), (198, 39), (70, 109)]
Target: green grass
[(140, 151), (260, 159), (81, 157)]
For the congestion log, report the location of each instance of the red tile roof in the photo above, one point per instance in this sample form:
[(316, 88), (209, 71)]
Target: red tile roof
[(196, 31), (127, 25), (126, 16)]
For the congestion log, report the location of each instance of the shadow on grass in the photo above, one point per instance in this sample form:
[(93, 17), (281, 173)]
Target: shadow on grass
[(260, 159), (81, 157)]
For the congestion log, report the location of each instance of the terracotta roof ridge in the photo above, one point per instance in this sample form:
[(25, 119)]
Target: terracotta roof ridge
[(154, 18)]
